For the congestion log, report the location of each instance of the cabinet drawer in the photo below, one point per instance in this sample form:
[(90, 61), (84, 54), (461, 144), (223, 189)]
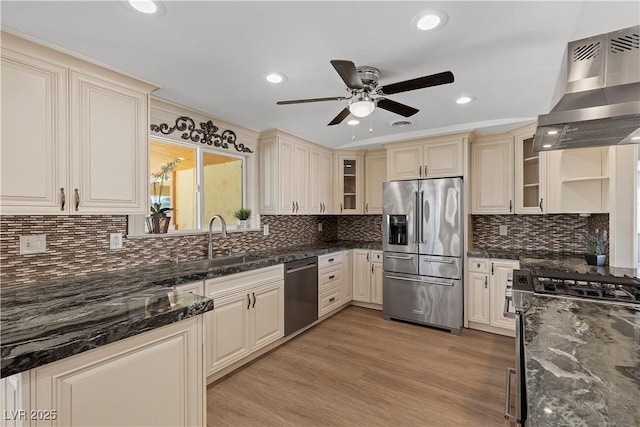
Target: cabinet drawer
[(376, 256), (329, 302), (329, 279), (329, 259), (479, 264)]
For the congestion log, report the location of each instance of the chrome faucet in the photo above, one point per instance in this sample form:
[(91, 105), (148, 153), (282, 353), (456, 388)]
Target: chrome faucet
[(224, 231)]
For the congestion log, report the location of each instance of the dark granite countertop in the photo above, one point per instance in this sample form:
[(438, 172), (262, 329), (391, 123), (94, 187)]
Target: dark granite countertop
[(48, 321), (547, 263), (582, 362)]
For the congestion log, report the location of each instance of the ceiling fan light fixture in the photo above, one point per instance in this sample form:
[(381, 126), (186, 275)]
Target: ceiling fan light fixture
[(362, 105), (429, 20)]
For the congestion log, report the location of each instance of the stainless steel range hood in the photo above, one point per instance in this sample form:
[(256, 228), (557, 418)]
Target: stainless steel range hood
[(598, 94)]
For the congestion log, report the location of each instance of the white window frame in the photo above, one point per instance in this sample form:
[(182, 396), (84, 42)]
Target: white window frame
[(137, 226)]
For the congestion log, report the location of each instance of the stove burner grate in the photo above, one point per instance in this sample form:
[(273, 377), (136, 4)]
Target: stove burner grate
[(594, 289)]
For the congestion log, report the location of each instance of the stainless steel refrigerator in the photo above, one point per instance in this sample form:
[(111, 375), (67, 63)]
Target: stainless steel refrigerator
[(422, 243)]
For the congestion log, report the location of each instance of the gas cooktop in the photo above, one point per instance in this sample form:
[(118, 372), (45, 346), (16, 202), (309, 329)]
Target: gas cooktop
[(609, 288)]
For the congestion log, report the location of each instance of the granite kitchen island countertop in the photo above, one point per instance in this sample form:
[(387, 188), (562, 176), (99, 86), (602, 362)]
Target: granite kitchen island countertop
[(582, 362), (47, 321)]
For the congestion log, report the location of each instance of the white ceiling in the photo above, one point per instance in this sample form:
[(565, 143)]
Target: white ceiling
[(212, 56)]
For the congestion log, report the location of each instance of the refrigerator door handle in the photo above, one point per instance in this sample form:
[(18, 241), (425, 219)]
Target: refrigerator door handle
[(407, 258), (419, 281), (417, 219), (442, 261), (421, 218)]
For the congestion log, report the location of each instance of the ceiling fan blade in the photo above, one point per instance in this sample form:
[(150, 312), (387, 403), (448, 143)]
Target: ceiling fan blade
[(340, 117), (302, 101), (396, 107), (419, 83), (348, 73)]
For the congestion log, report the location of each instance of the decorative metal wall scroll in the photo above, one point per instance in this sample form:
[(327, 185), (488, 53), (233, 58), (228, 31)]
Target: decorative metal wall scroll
[(206, 134)]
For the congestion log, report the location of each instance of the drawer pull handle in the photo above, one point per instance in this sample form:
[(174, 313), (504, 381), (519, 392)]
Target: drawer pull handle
[(248, 301), (254, 299), (332, 299), (330, 260), (442, 261), (332, 276), (406, 258)]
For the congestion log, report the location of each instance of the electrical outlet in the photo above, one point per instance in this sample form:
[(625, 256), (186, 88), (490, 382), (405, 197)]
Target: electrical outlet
[(265, 229), (503, 230), (319, 226), (115, 241), (33, 244)]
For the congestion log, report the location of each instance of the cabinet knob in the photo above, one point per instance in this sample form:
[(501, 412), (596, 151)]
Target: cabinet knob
[(478, 265)]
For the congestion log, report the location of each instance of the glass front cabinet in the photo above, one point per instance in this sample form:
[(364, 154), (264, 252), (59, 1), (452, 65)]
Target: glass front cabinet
[(350, 183), (530, 173)]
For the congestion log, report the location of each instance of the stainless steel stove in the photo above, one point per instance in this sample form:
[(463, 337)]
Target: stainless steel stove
[(615, 289)]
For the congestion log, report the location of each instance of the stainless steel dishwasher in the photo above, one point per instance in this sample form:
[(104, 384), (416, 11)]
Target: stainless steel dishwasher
[(300, 294)]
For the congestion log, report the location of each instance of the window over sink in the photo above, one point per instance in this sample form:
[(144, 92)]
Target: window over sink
[(190, 183)]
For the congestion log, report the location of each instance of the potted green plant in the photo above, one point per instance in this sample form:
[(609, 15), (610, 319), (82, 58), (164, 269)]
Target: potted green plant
[(243, 215), (158, 221), (596, 247)]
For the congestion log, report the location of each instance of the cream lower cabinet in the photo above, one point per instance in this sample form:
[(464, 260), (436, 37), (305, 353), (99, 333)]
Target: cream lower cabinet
[(367, 276), (486, 285), (248, 314), (83, 122), (334, 286), (152, 379), (15, 400), (347, 276)]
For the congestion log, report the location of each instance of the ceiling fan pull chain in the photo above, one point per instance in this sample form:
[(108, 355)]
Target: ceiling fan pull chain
[(370, 123), (353, 134)]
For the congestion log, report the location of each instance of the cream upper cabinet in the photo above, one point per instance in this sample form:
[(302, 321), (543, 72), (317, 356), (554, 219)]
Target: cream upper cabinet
[(350, 184), (435, 157), (320, 181), (375, 171), (578, 180), (108, 146), (285, 177), (492, 175), (91, 160), (530, 173), (34, 136)]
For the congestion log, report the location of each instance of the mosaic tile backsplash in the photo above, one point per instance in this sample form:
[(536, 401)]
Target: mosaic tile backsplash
[(546, 233), (78, 245)]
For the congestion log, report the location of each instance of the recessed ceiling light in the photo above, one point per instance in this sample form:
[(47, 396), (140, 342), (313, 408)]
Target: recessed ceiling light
[(353, 122), (275, 77), (429, 20), (464, 100), (552, 132), (547, 146), (144, 6)]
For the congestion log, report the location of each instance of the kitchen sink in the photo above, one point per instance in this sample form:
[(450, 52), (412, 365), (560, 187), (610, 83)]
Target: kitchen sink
[(205, 264)]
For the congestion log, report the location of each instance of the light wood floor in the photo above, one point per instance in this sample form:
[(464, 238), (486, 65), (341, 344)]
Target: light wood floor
[(356, 369)]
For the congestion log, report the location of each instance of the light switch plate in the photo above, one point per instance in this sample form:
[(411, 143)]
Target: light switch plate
[(265, 230), (503, 230), (319, 226), (33, 244)]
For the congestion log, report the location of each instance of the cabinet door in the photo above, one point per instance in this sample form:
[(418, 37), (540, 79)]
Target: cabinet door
[(361, 276), (14, 400), (347, 276), (227, 329), (269, 177), (286, 155), (95, 388), (267, 315), (499, 272), (350, 198), (301, 178), (530, 175), (492, 177), (404, 163), (109, 144), (443, 159), (376, 282), (320, 181), (375, 170), (478, 298), (33, 165)]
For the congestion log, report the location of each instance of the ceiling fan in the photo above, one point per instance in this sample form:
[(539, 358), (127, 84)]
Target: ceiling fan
[(362, 83)]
